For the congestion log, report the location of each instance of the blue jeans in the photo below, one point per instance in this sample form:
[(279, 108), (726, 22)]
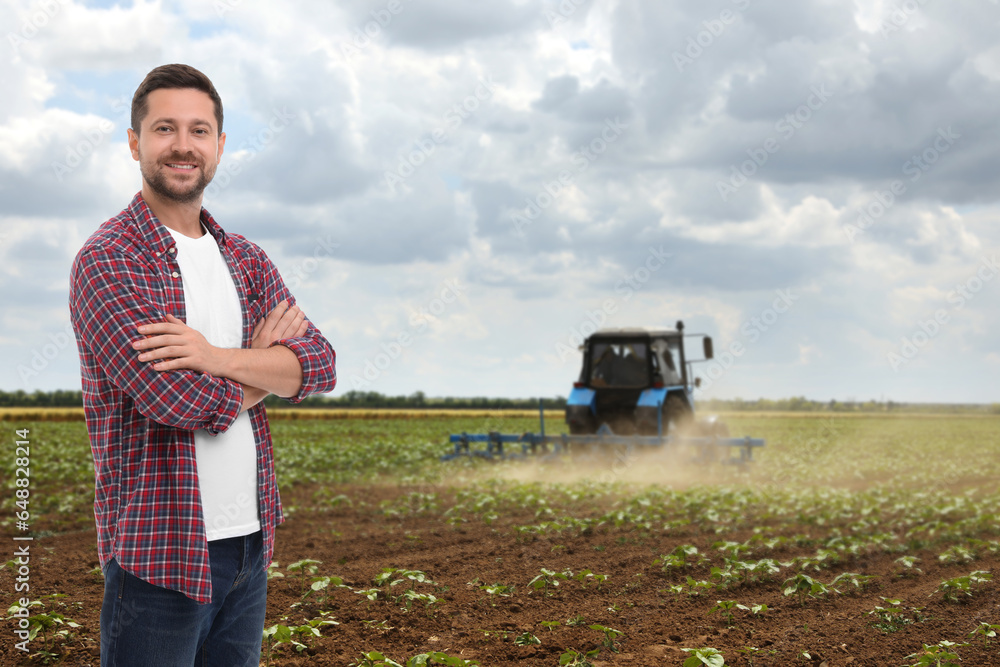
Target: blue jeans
[(143, 624)]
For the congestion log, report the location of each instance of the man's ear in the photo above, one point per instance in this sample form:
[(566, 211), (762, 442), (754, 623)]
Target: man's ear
[(222, 144), (133, 143)]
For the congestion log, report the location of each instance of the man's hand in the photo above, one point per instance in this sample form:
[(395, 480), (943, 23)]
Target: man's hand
[(282, 322), (178, 346)]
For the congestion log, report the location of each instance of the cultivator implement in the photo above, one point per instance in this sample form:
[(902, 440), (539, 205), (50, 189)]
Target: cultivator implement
[(500, 446), (604, 443), (637, 382)]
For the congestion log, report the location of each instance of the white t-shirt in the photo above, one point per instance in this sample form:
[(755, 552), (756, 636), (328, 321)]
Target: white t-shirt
[(227, 462)]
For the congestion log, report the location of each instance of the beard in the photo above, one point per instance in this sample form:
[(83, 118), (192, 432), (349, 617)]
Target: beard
[(153, 173)]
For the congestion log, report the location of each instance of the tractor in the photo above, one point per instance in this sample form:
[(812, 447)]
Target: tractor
[(638, 381), (635, 392)]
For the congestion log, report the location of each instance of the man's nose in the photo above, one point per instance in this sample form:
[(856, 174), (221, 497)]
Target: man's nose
[(182, 142)]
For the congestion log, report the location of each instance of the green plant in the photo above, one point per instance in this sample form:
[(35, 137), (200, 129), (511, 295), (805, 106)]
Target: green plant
[(950, 588), (584, 575), (680, 558), (374, 659), (381, 626), (987, 631), (610, 636), (956, 554), (858, 581), (396, 576), (895, 616), (725, 609), (908, 565), (503, 590), (755, 609), (573, 658), (322, 585), (548, 578), (52, 625), (676, 589), (704, 656), (941, 654), (439, 658), (731, 550), (754, 571), (279, 634), (370, 593), (290, 634), (489, 634), (576, 621), (749, 652), (695, 587), (802, 585), (549, 625), (724, 576), (409, 596), (306, 567), (527, 639)]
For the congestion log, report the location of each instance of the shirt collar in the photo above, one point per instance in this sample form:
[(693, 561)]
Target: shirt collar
[(156, 236)]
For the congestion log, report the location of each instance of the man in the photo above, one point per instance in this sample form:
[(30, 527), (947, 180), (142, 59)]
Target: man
[(182, 330)]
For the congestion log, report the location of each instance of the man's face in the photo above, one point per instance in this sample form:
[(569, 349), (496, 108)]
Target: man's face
[(179, 146)]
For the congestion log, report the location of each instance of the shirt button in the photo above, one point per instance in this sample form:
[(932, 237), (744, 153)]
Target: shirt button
[(172, 251), (175, 274), (158, 254)]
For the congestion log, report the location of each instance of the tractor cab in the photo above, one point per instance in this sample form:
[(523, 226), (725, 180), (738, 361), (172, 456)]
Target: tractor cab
[(633, 380), (629, 362)]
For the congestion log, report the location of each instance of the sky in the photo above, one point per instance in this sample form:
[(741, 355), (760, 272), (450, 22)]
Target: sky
[(458, 193)]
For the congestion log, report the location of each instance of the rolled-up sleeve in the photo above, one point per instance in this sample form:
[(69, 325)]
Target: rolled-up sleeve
[(318, 361)]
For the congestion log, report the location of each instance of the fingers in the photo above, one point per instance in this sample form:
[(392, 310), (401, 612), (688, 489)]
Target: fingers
[(275, 315), (290, 323), (174, 327), (157, 341), (264, 331), (170, 365), (282, 322), (159, 353)]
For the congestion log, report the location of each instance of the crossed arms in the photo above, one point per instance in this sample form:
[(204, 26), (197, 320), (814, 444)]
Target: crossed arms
[(113, 293), (261, 369)]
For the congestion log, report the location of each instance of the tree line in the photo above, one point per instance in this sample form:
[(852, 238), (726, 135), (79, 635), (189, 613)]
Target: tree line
[(63, 398)]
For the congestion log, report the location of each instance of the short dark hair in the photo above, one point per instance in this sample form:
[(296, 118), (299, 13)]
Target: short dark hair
[(172, 76)]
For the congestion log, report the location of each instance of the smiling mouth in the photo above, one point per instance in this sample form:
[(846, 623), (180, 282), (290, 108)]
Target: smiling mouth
[(186, 167)]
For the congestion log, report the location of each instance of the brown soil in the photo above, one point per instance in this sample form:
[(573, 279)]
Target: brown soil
[(355, 541)]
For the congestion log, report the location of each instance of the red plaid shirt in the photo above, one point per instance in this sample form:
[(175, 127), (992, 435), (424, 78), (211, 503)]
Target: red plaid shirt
[(141, 422)]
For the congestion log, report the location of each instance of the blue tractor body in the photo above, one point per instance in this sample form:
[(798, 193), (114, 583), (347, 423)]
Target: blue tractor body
[(637, 381)]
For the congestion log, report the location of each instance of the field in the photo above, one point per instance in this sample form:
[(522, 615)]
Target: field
[(857, 540)]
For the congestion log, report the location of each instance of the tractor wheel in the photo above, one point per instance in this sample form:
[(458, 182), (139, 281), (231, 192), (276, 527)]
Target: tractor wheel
[(677, 412), (580, 421)]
